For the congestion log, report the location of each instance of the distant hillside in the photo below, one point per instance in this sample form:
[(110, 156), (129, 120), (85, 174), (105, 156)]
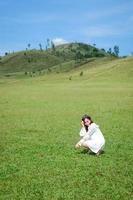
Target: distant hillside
[(61, 58), (106, 70)]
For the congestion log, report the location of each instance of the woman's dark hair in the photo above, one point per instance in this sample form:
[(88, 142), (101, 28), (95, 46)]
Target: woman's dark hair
[(86, 117)]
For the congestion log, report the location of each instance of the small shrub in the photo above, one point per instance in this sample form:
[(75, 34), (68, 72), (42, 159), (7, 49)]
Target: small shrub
[(29, 60), (49, 70), (81, 73), (7, 75)]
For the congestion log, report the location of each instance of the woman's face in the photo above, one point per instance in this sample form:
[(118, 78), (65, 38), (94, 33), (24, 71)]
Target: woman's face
[(87, 122)]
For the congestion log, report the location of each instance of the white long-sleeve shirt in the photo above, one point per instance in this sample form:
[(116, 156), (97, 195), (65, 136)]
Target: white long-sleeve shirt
[(93, 137)]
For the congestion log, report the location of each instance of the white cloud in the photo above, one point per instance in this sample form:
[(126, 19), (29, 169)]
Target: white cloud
[(59, 41)]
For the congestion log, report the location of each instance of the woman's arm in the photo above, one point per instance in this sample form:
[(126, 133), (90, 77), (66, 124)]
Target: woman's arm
[(82, 132), (87, 136)]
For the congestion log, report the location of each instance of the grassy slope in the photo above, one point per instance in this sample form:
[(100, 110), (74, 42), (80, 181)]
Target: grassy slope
[(39, 125), (35, 60)]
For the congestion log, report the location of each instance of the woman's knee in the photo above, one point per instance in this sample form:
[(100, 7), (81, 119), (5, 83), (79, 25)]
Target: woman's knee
[(85, 145)]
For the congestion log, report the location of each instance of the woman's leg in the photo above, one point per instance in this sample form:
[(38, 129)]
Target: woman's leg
[(85, 145)]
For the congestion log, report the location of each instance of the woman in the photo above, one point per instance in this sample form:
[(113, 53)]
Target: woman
[(91, 136)]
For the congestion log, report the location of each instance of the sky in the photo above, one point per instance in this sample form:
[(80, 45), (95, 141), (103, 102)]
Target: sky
[(102, 22)]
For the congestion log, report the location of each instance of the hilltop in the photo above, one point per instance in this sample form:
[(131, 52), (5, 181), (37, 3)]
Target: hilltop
[(60, 58)]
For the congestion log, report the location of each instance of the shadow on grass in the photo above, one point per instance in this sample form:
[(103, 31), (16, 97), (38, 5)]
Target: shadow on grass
[(85, 151)]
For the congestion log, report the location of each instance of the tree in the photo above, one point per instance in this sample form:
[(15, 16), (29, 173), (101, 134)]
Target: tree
[(78, 56), (103, 50), (49, 70), (53, 45), (109, 51), (29, 45), (48, 42), (70, 78), (40, 47), (95, 50), (28, 60), (81, 73), (116, 50)]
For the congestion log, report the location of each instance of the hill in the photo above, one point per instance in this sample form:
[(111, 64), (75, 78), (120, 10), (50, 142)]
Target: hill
[(61, 58)]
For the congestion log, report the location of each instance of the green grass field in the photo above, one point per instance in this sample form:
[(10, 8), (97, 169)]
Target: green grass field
[(39, 126)]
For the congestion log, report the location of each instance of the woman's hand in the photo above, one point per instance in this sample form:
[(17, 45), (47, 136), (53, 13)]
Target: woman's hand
[(78, 145), (82, 123)]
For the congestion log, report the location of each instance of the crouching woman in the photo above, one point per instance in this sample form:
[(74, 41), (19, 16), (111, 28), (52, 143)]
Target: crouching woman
[(91, 136)]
